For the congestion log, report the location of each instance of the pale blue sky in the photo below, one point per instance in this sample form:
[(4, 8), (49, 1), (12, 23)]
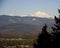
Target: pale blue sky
[(29, 6)]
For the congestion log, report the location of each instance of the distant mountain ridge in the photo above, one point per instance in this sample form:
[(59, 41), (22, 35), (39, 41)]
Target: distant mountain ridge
[(17, 25), (5, 19)]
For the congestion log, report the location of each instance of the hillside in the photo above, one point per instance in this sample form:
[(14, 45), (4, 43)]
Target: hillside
[(15, 25)]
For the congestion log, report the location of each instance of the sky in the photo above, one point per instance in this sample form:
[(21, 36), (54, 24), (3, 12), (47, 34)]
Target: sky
[(29, 7)]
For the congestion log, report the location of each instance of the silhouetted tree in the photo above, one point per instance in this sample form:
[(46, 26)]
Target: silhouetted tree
[(56, 32), (56, 29), (44, 39)]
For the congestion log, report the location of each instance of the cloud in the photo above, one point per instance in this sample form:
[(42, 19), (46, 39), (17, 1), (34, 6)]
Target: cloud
[(12, 14), (41, 14), (23, 15), (35, 14), (16, 15)]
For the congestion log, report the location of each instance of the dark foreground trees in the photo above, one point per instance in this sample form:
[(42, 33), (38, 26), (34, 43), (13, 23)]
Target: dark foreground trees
[(46, 40), (56, 31)]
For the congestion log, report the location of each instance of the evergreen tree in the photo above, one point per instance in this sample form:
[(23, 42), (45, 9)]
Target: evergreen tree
[(44, 39), (56, 29), (56, 32)]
